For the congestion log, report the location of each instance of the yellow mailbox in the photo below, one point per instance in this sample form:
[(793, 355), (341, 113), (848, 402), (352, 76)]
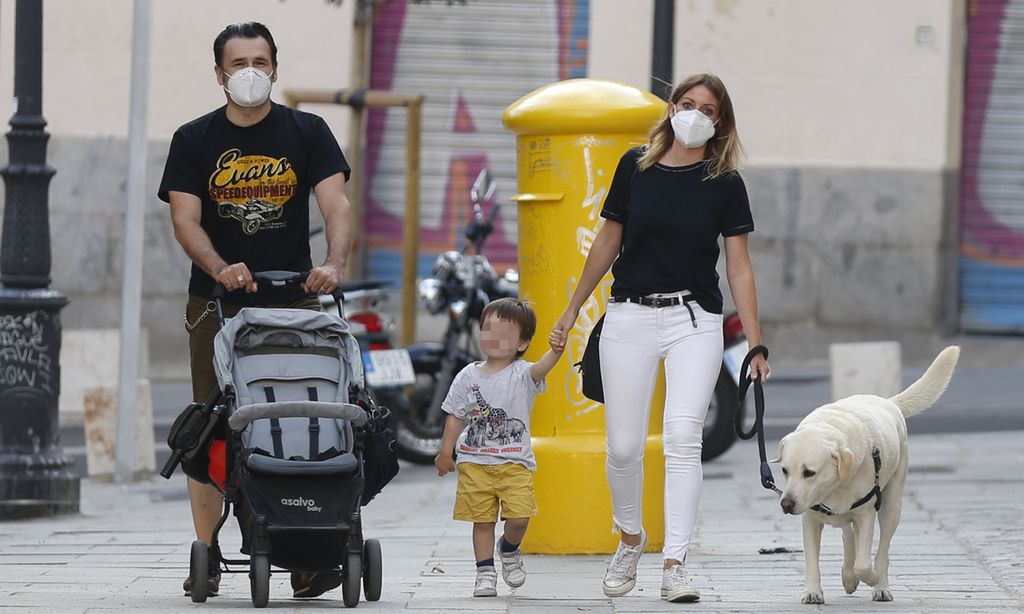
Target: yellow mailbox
[(569, 138)]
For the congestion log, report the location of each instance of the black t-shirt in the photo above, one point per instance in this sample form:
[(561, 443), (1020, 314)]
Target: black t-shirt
[(254, 184), (672, 218)]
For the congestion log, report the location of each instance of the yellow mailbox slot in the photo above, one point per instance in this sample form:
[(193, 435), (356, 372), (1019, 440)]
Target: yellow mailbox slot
[(569, 138)]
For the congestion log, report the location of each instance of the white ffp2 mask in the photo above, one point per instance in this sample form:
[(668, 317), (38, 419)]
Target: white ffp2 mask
[(248, 87), (692, 128)]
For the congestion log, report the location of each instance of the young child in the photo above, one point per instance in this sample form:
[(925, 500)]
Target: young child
[(489, 406)]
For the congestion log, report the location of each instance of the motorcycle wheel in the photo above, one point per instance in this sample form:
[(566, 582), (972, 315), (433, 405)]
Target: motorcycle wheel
[(416, 441), (719, 434)]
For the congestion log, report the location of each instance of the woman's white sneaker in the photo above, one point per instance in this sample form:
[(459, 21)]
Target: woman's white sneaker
[(621, 575), (675, 586), (486, 582)]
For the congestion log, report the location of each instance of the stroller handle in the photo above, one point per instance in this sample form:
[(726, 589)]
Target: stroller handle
[(277, 280)]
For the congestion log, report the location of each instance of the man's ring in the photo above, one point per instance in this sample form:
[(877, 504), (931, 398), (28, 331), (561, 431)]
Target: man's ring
[(240, 278)]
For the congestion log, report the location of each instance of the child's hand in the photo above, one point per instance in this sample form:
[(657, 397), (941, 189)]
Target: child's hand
[(444, 463), (557, 339)]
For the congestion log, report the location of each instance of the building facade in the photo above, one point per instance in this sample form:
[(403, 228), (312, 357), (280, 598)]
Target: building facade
[(884, 165)]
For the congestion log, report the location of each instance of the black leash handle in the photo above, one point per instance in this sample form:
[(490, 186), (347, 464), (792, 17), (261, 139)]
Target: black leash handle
[(767, 479)]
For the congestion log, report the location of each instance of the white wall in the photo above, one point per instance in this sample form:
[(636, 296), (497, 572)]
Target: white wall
[(620, 41), (87, 47), (815, 83)]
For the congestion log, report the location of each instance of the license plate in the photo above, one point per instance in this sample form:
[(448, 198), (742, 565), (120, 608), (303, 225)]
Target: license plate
[(388, 368), (733, 359)]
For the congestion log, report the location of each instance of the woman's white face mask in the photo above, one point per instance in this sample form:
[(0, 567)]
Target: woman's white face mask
[(692, 128), (248, 87)]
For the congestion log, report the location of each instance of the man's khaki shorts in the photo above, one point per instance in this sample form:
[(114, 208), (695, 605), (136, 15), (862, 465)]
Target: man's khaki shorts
[(482, 488)]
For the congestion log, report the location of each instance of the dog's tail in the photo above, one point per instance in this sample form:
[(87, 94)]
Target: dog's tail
[(923, 393)]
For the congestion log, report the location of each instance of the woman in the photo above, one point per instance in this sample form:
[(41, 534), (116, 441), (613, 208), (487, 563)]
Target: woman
[(667, 205)]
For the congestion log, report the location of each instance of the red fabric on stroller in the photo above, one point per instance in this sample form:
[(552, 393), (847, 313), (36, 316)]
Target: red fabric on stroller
[(218, 463)]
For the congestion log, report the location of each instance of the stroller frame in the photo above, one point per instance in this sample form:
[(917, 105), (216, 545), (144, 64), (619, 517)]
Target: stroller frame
[(361, 558)]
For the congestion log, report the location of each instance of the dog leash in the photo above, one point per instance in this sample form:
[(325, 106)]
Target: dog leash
[(767, 479)]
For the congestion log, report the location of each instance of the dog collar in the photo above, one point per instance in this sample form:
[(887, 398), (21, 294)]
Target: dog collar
[(876, 492)]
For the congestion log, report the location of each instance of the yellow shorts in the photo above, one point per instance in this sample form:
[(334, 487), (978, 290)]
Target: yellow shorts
[(482, 487)]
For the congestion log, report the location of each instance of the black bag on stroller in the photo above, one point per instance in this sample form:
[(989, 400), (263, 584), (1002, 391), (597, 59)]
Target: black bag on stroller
[(380, 459)]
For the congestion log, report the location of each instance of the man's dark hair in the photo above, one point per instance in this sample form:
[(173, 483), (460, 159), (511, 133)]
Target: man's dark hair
[(249, 29)]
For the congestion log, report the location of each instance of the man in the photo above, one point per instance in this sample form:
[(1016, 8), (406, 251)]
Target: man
[(238, 181)]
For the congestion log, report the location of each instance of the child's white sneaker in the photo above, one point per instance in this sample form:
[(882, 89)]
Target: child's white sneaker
[(486, 582), (512, 570), (621, 575), (675, 586)]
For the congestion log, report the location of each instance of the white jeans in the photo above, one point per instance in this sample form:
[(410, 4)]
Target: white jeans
[(634, 339)]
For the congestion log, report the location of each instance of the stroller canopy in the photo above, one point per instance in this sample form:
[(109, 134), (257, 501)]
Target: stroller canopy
[(302, 331)]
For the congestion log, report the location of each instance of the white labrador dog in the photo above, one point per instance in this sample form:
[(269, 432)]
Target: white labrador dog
[(846, 460)]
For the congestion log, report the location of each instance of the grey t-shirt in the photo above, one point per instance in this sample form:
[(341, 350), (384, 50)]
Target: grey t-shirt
[(496, 409)]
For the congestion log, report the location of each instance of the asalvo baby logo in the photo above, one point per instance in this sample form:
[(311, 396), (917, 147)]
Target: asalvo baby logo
[(309, 504)]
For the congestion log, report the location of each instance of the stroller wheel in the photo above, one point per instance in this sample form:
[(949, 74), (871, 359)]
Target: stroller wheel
[(259, 580), (351, 576), (199, 570), (373, 572)]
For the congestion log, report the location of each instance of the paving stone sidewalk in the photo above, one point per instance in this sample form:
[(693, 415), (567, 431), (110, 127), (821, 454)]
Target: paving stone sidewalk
[(958, 548)]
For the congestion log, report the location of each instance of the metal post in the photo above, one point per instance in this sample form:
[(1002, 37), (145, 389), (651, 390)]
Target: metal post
[(35, 476), (663, 45), (411, 223), (357, 263), (135, 210)]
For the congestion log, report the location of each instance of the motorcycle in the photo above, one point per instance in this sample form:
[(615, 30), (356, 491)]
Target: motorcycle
[(386, 367), (463, 282)]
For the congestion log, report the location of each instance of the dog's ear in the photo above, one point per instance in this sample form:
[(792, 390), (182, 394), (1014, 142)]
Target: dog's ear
[(778, 458), (843, 458)]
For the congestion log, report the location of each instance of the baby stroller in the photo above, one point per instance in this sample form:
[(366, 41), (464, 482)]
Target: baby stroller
[(294, 416)]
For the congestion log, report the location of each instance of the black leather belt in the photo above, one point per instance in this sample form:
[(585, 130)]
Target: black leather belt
[(652, 301), (660, 301)]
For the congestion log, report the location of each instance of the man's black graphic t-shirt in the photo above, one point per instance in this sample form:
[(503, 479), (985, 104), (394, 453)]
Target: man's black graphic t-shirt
[(254, 184), (672, 218)]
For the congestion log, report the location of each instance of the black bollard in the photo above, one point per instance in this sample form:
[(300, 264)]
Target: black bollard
[(35, 477)]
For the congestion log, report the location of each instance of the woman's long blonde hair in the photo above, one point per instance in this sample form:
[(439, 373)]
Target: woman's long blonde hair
[(723, 149)]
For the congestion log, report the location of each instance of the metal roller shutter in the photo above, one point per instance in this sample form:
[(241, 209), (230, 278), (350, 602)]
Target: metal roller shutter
[(992, 181), (470, 61)]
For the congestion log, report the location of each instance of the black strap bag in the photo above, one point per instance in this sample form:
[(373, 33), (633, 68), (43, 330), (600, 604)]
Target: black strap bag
[(190, 436), (380, 460), (590, 365)]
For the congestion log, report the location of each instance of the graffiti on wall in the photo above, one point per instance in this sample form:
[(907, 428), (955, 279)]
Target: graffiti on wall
[(992, 173), (467, 80)]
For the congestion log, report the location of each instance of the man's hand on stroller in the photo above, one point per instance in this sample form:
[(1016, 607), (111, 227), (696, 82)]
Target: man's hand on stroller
[(444, 462), (235, 277), (324, 279)]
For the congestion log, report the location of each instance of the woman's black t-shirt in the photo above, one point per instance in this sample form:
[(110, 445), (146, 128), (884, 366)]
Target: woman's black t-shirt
[(672, 218), (254, 184)]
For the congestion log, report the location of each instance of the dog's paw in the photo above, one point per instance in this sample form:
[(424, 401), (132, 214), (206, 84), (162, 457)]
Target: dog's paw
[(881, 594), (812, 597), (868, 576), (850, 581)]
